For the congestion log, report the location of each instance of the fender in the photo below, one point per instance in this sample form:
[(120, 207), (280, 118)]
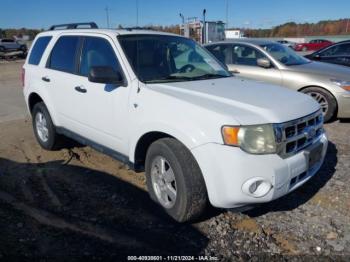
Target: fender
[(191, 137)]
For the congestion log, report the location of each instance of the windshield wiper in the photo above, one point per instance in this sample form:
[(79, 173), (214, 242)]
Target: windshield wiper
[(185, 78), (209, 76), (169, 78)]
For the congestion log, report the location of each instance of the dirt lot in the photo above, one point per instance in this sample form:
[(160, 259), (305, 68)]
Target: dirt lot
[(78, 203)]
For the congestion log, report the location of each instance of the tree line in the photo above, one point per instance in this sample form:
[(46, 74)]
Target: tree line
[(291, 29)]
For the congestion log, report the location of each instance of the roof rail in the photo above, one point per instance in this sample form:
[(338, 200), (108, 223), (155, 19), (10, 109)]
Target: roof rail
[(137, 28), (72, 26)]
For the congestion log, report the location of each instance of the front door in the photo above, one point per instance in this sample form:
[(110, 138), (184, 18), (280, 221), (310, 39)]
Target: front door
[(244, 64)]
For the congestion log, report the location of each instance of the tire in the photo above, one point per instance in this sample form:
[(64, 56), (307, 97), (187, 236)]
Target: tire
[(326, 100), (190, 198), (49, 138), (304, 49)]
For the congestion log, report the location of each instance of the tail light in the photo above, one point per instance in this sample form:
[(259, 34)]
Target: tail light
[(23, 74)]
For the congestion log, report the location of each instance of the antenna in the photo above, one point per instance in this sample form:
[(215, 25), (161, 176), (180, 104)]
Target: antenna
[(107, 15), (226, 14), (137, 13)]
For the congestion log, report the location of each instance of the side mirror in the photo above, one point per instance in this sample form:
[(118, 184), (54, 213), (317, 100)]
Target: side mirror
[(105, 75), (264, 62), (317, 57)]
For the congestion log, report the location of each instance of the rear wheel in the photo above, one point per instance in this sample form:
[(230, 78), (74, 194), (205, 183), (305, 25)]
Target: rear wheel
[(174, 180), (44, 129), (325, 99), (304, 49)]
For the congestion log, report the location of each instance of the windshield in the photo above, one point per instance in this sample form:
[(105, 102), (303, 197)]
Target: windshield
[(163, 58), (284, 54)]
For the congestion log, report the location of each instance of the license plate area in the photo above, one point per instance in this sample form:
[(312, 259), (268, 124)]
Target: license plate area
[(314, 154)]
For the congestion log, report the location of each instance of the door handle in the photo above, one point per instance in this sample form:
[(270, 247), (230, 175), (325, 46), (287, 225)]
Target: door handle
[(45, 78), (80, 89), (235, 71)]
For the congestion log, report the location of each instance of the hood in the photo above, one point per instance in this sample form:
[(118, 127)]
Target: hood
[(324, 69), (248, 102)]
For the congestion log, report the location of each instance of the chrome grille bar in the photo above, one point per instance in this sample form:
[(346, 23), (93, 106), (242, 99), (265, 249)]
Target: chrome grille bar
[(294, 136)]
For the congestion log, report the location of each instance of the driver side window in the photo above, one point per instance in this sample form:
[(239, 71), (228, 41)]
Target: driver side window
[(336, 50), (245, 55), (97, 52)]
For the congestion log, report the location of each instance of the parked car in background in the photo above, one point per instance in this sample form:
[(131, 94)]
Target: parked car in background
[(10, 47), (338, 53), (287, 43), (274, 63), (313, 45), (164, 105)]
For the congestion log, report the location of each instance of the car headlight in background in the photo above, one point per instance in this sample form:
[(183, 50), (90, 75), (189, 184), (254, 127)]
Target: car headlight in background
[(342, 83), (258, 139)]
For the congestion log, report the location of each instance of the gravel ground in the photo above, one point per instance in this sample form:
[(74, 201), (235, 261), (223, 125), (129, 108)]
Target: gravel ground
[(77, 203)]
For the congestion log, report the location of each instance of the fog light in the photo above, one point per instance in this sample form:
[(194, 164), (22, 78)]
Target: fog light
[(256, 187)]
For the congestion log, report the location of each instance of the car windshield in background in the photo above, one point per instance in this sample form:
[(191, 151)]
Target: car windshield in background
[(163, 58), (284, 54)]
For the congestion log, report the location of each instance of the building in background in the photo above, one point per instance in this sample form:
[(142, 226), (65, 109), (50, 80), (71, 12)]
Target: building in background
[(232, 34), (203, 32)]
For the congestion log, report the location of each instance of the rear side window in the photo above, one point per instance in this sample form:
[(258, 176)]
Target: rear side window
[(38, 50), (64, 54), (97, 52)]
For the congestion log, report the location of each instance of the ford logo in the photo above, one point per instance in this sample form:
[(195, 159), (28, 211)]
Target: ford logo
[(309, 132)]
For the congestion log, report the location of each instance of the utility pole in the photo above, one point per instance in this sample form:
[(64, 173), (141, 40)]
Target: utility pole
[(107, 15), (204, 32), (182, 18), (226, 14), (347, 26), (137, 13)]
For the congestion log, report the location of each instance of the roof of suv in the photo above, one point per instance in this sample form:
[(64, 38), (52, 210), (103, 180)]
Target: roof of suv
[(106, 32)]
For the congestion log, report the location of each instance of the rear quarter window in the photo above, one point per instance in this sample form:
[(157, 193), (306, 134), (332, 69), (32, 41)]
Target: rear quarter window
[(38, 49)]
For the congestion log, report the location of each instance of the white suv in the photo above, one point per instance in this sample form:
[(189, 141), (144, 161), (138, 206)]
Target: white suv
[(166, 106)]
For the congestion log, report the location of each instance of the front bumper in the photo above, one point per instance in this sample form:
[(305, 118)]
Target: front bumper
[(343, 100), (226, 169)]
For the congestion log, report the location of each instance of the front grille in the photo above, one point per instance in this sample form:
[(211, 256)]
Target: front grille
[(294, 136)]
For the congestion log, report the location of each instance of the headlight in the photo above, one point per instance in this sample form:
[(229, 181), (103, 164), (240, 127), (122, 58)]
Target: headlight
[(342, 83), (259, 139)]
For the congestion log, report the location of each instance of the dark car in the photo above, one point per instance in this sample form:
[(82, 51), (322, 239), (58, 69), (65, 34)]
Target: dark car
[(10, 47), (338, 53), (313, 45)]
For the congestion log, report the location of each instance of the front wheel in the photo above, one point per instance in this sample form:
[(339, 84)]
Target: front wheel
[(174, 180), (325, 99)]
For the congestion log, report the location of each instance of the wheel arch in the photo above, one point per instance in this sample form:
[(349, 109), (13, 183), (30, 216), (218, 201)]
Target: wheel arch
[(33, 99), (139, 145), (142, 145), (326, 90)]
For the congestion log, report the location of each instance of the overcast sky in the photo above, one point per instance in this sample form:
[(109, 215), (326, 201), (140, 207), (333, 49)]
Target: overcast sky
[(241, 13)]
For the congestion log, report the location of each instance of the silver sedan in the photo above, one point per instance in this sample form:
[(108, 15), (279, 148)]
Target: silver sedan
[(272, 62)]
